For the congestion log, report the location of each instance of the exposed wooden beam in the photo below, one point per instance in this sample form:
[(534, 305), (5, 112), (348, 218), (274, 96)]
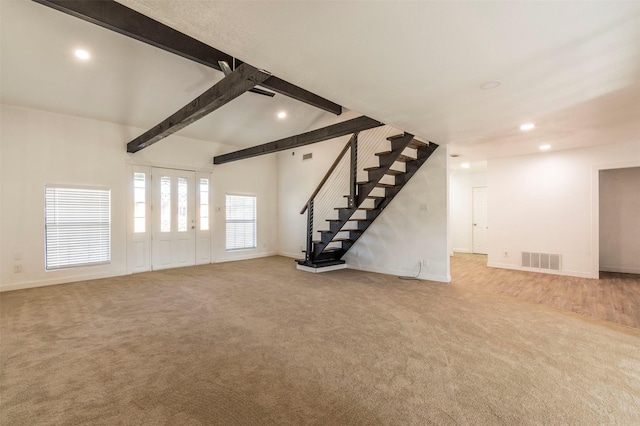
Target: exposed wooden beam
[(230, 87), (330, 132), (119, 18)]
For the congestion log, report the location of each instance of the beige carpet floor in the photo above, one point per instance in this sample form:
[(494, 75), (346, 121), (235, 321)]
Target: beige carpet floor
[(259, 343)]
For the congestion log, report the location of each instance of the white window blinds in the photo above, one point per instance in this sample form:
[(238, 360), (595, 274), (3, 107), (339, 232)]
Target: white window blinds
[(241, 222), (77, 227)]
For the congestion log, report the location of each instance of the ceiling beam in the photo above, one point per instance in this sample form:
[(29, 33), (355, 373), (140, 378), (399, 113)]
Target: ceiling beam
[(330, 132), (230, 87), (119, 18)]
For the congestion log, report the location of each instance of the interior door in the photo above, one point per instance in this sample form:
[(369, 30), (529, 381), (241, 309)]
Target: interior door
[(480, 227), (173, 208)]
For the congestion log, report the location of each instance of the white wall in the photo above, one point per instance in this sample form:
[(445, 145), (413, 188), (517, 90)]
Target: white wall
[(620, 220), (40, 148), (461, 202), (548, 203), (404, 233)]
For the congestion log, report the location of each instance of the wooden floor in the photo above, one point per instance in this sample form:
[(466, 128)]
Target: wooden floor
[(614, 297)]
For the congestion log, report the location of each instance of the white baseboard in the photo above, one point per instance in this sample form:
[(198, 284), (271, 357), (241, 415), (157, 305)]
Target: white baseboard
[(578, 274), (291, 255), (245, 257), (461, 250), (64, 280), (399, 273), (620, 269)]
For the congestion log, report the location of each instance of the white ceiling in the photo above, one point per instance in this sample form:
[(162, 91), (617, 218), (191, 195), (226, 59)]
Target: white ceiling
[(573, 68)]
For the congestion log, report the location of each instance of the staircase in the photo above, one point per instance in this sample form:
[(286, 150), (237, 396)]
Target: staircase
[(365, 201)]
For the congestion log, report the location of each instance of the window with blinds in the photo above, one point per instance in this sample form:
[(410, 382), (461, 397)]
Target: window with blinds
[(77, 227), (241, 222)]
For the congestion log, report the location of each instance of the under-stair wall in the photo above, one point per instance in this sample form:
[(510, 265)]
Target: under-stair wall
[(412, 228)]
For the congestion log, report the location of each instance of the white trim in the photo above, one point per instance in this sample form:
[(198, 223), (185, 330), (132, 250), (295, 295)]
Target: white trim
[(461, 250), (322, 269), (246, 257), (540, 271), (620, 269), (291, 255), (65, 280), (401, 273)]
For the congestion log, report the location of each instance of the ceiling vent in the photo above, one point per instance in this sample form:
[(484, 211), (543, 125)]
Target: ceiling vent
[(308, 156), (455, 155)]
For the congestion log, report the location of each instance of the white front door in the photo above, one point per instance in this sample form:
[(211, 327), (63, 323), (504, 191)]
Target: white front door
[(173, 209), (480, 227)]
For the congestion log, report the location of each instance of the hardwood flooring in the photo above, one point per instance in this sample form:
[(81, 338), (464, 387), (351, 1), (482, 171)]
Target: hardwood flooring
[(614, 297)]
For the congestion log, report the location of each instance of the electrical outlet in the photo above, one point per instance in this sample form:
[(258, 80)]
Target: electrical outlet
[(506, 254), (17, 269)]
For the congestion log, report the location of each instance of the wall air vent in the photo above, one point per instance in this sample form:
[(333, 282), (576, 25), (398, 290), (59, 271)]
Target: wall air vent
[(541, 260), (308, 156)]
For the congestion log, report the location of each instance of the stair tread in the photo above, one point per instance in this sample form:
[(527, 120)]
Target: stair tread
[(388, 172), (349, 208), (415, 143), (349, 220), (342, 230), (373, 197), (401, 158), (339, 240), (331, 249), (394, 137), (379, 184)]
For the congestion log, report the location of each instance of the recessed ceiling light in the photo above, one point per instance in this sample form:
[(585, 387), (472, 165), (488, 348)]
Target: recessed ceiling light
[(465, 165), (545, 147), (527, 126), (82, 54), (282, 114), (491, 85)]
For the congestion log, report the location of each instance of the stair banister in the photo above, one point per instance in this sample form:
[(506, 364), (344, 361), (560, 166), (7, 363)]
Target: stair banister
[(331, 169), (309, 253), (353, 185)]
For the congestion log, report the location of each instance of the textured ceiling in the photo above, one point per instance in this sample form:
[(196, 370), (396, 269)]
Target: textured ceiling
[(573, 68)]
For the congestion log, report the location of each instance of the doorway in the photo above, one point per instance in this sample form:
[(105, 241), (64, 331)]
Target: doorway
[(480, 223), (619, 223), (173, 218)]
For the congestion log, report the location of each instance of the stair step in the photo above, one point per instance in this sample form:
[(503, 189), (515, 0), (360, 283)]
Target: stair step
[(415, 143), (339, 240), (402, 158), (379, 184), (331, 249), (359, 231), (321, 263), (372, 197), (349, 220), (394, 137), (388, 172), (349, 208)]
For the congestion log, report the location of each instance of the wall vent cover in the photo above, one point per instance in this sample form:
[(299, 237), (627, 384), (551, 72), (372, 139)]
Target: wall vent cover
[(541, 260), (308, 156)]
